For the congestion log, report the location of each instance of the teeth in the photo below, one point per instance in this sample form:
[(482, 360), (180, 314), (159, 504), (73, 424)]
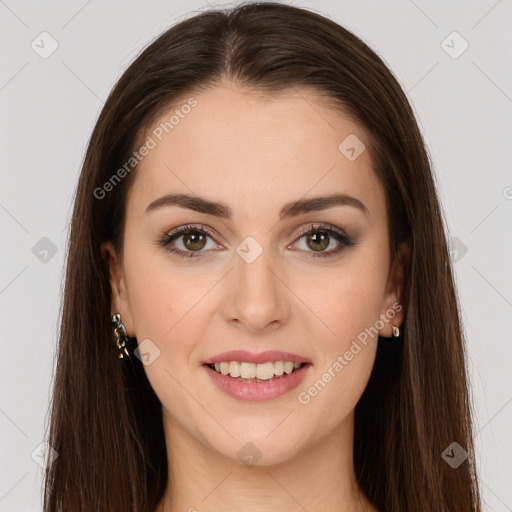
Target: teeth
[(234, 369), (288, 367), (247, 370), (263, 371)]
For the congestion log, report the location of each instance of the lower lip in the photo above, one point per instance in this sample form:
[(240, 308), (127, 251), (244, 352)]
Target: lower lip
[(257, 391)]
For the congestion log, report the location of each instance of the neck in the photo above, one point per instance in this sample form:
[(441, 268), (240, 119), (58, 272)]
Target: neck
[(320, 477)]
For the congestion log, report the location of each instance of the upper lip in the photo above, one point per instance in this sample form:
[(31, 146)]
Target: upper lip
[(251, 357)]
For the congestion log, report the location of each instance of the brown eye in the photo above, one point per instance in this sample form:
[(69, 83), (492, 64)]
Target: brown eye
[(188, 241), (318, 238), (318, 241), (195, 241)]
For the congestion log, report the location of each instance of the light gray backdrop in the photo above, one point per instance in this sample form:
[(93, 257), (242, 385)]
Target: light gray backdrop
[(59, 60)]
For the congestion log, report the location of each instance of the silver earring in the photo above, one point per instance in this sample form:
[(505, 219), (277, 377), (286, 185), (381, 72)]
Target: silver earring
[(396, 331), (120, 335)]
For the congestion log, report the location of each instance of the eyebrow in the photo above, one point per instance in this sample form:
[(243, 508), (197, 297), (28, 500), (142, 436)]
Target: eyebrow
[(289, 210)]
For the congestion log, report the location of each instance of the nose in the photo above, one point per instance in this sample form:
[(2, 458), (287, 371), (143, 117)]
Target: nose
[(257, 296)]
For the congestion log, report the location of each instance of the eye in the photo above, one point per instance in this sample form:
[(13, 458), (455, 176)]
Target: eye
[(319, 237), (193, 239)]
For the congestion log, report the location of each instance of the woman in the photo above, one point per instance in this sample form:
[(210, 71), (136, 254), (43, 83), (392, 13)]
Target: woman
[(259, 308)]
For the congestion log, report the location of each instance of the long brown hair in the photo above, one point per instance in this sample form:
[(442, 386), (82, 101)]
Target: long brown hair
[(105, 420)]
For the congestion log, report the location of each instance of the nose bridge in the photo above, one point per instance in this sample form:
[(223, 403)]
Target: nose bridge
[(256, 294)]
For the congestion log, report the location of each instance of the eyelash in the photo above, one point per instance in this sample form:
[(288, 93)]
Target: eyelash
[(341, 237)]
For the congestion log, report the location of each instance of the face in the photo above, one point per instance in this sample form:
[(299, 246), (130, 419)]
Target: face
[(274, 268)]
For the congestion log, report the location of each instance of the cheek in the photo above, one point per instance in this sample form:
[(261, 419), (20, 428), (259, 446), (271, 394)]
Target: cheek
[(151, 297), (345, 301), (171, 305), (348, 305), (345, 353), (167, 306)]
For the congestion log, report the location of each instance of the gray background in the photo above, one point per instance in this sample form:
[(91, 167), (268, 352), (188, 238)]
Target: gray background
[(48, 109)]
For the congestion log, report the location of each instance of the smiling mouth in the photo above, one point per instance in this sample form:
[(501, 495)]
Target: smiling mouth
[(251, 372)]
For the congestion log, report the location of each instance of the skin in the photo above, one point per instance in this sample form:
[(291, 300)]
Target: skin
[(256, 155)]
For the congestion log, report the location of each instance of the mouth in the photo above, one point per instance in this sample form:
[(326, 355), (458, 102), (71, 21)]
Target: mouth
[(270, 371), (251, 382)]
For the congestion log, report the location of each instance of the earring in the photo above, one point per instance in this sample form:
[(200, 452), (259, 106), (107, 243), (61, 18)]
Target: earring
[(120, 335), (396, 331)]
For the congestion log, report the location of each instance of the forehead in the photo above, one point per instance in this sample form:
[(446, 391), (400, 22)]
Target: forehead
[(246, 149)]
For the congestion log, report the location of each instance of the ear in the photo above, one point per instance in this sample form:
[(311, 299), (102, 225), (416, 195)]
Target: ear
[(119, 302), (393, 311)]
